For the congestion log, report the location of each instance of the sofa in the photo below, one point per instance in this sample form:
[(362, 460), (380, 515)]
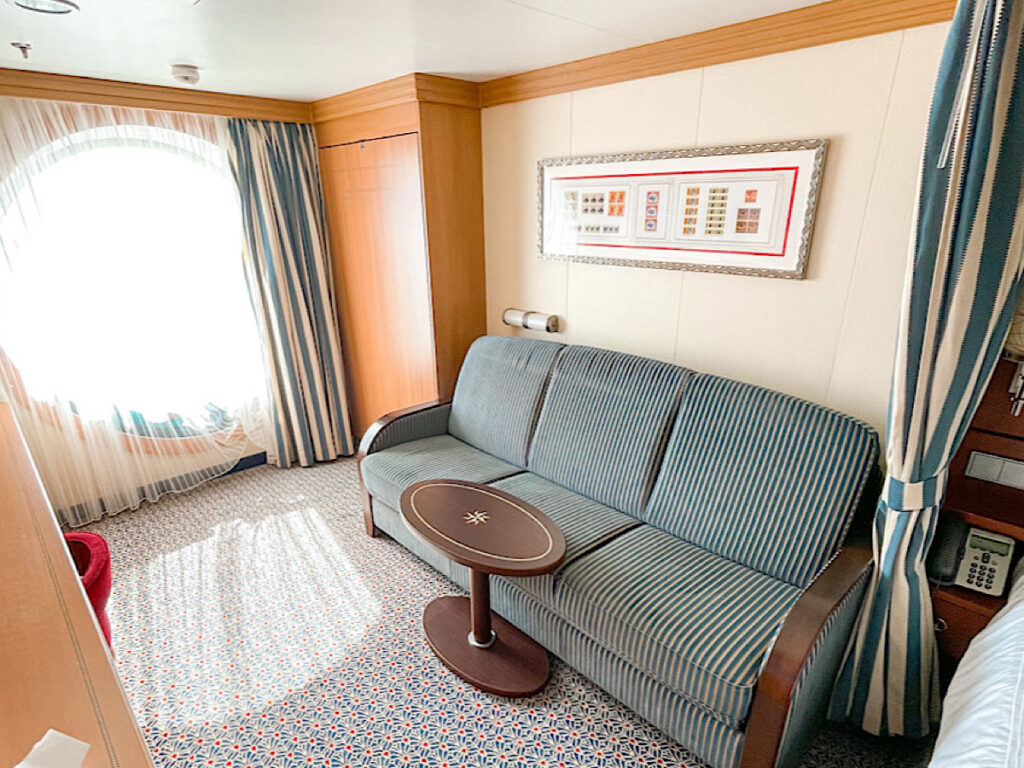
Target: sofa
[(711, 580)]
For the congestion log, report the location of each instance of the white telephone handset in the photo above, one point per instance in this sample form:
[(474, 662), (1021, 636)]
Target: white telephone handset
[(986, 562)]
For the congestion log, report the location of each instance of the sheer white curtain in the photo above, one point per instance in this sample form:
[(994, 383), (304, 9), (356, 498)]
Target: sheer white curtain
[(128, 344)]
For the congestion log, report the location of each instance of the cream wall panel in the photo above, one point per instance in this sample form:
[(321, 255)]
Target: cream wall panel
[(829, 337), (515, 137), (863, 366), (782, 333), (633, 310), (653, 113)]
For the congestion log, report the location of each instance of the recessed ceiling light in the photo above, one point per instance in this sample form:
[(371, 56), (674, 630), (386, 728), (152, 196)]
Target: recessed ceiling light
[(57, 7), (46, 6)]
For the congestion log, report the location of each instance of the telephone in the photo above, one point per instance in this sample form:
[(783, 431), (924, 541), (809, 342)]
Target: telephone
[(970, 557)]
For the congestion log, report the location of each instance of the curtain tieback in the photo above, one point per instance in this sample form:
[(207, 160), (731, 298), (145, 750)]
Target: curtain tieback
[(908, 496)]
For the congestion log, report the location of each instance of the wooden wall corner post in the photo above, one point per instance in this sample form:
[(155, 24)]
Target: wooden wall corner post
[(403, 180), (800, 631), (452, 175)]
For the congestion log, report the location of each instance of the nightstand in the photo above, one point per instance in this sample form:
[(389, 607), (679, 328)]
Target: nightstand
[(961, 613)]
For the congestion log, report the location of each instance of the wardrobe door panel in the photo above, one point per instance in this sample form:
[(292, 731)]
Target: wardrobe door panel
[(373, 195)]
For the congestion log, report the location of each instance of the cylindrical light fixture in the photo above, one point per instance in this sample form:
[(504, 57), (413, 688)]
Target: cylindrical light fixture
[(534, 321)]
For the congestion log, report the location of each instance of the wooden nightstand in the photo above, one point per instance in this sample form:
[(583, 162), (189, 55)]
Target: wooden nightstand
[(961, 613)]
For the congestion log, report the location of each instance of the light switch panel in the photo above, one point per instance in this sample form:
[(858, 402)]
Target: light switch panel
[(995, 469), (984, 466)]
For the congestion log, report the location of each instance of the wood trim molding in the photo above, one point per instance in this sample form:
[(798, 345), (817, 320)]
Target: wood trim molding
[(827, 22), (44, 85), (387, 94), (447, 90), (400, 90), (819, 24)]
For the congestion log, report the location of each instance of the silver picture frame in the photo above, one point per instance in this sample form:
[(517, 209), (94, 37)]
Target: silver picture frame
[(798, 272)]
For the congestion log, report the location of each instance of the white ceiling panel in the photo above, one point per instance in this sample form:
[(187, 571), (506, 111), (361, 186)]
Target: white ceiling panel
[(652, 20), (310, 49)]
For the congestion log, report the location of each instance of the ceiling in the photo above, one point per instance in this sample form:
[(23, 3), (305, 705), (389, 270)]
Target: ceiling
[(310, 49)]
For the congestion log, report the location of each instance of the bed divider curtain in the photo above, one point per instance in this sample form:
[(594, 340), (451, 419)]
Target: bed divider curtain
[(962, 287), (289, 276)]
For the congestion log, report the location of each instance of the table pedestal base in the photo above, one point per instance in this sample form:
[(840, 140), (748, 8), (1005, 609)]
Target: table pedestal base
[(513, 665)]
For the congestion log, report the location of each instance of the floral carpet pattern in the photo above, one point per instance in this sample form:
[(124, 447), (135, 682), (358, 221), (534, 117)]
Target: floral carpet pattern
[(255, 625)]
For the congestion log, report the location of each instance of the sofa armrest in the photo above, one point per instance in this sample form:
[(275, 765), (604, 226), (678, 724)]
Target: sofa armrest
[(821, 617), (402, 426)]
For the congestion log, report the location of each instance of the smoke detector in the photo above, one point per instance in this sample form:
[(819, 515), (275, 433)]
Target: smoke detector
[(185, 73), (56, 7)]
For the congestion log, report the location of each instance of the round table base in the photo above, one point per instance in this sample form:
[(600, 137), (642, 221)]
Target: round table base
[(514, 666)]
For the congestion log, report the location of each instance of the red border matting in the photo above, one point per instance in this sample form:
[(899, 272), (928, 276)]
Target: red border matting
[(789, 214)]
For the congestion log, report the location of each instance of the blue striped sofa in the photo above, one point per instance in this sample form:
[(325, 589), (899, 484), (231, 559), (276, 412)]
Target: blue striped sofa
[(706, 584)]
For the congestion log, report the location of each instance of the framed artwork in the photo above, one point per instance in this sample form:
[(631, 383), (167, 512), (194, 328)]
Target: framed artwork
[(746, 210)]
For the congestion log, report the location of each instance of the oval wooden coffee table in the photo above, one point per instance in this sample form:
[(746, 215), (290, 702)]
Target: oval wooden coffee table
[(488, 531)]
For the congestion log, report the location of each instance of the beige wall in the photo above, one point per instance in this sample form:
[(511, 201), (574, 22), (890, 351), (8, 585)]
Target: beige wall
[(828, 338)]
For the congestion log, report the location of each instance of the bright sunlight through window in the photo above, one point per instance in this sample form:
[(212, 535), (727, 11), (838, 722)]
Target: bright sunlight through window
[(128, 277)]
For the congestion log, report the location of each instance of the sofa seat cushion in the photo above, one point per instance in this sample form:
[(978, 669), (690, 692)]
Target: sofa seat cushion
[(585, 524), (698, 622), (389, 472)]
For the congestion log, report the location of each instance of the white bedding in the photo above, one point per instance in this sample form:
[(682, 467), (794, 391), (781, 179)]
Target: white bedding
[(983, 712)]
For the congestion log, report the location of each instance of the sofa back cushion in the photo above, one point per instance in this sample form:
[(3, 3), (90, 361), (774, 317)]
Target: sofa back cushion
[(762, 478), (498, 394), (604, 423)]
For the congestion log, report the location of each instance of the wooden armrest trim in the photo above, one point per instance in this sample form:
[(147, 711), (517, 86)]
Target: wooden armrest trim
[(366, 447), (796, 640), (388, 418)]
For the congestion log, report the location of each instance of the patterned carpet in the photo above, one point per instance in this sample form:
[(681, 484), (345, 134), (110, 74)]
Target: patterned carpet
[(256, 624)]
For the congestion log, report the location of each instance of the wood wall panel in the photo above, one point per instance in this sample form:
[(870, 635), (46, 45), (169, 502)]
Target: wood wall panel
[(88, 90), (408, 89), (447, 90), (376, 123), (400, 90), (828, 22), (375, 222), (55, 670), (453, 196)]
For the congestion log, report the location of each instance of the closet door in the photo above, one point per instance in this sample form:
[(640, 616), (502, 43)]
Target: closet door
[(374, 204)]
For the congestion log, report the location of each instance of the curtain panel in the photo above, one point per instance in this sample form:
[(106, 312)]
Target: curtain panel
[(111, 337), (962, 287), (288, 269)]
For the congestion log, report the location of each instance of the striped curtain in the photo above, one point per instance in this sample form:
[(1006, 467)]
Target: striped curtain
[(289, 276), (962, 287)]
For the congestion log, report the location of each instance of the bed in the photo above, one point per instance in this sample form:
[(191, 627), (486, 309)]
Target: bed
[(983, 712)]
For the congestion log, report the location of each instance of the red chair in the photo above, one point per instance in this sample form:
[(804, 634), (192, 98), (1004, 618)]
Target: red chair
[(92, 559)]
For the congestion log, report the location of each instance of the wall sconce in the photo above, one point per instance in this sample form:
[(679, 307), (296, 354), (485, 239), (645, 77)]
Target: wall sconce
[(534, 321)]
